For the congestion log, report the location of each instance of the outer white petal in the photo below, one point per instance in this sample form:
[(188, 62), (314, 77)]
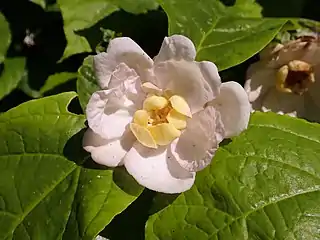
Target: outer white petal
[(197, 144), (296, 50), (120, 50), (312, 107), (107, 152), (109, 112), (283, 103), (268, 52), (315, 87), (259, 79), (157, 170), (185, 79), (210, 74), (176, 47), (121, 73), (234, 107)]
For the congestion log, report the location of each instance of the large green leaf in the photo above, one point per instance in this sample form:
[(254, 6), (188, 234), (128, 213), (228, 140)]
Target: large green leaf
[(44, 193), (80, 14), (14, 69), (5, 37), (263, 185), (224, 35), (137, 6), (86, 83), (41, 3), (56, 80)]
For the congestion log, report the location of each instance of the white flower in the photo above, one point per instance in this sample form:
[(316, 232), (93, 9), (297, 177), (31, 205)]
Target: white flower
[(286, 80), (163, 119)]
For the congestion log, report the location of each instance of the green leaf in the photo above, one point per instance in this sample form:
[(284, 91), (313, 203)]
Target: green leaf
[(81, 14), (86, 83), (40, 153), (57, 79), (101, 195), (223, 35), (41, 3), (5, 37), (12, 74), (263, 185), (137, 6)]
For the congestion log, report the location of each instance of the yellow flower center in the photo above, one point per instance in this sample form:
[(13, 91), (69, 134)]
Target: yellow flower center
[(295, 77), (160, 120)]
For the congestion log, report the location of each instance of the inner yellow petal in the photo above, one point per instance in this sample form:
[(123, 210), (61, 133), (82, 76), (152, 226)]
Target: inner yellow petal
[(148, 87), (178, 120), (180, 105), (281, 79), (143, 135), (154, 103), (164, 133), (141, 118)]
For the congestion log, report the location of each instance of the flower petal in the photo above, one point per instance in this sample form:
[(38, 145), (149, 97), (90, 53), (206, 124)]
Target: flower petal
[(180, 105), (157, 170), (120, 50), (298, 49), (154, 103), (150, 88), (259, 79), (178, 120), (198, 143), (312, 108), (121, 73), (107, 152), (186, 80), (211, 75), (109, 112), (315, 87), (143, 135), (141, 118), (164, 133), (234, 107), (176, 47), (283, 103)]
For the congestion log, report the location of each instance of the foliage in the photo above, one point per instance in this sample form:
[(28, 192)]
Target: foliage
[(263, 184)]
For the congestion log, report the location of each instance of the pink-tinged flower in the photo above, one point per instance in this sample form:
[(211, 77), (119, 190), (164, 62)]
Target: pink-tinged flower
[(286, 80), (163, 119)]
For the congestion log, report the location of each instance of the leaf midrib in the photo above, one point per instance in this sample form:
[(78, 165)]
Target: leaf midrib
[(285, 130), (43, 196), (263, 206), (247, 214)]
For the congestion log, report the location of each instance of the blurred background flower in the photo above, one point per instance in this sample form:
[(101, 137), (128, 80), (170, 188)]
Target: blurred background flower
[(286, 80)]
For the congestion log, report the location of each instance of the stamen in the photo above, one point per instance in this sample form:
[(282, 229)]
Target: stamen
[(295, 77), (160, 120)]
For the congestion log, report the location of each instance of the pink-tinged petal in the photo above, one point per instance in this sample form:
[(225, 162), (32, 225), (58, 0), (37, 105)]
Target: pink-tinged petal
[(198, 143), (109, 112), (312, 108), (298, 49), (121, 73), (234, 107), (268, 52), (176, 47), (260, 79), (314, 89), (211, 75), (107, 152), (186, 80), (283, 103), (121, 50), (157, 170)]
